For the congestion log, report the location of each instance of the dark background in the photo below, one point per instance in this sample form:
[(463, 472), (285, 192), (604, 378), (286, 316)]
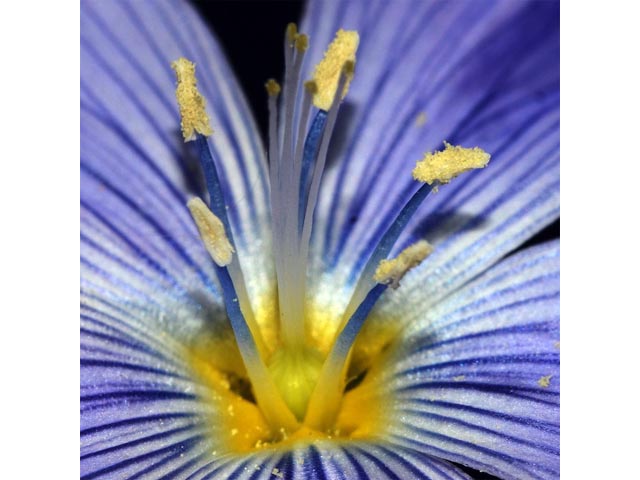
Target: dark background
[(252, 34)]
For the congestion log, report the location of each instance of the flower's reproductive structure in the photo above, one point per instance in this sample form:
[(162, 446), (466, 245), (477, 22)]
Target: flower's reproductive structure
[(294, 387)]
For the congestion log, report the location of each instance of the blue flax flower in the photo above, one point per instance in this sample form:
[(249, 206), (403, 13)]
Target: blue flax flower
[(286, 357)]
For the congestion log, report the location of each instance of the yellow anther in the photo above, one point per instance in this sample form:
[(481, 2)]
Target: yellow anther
[(191, 103), (273, 87), (327, 73), (211, 232), (449, 163), (292, 32), (302, 42), (311, 87), (391, 271)]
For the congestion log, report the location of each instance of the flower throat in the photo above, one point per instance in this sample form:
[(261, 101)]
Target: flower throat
[(296, 385)]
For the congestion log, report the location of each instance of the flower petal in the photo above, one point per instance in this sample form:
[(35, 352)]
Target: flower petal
[(476, 380), (363, 460), (136, 171), (485, 74), (138, 404), (326, 460)]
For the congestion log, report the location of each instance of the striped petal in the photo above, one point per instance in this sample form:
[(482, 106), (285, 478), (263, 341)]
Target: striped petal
[(364, 460), (144, 414), (475, 380), (136, 172), (148, 289), (481, 74)]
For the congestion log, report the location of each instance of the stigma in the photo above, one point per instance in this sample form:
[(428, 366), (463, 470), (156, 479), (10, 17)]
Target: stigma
[(297, 384)]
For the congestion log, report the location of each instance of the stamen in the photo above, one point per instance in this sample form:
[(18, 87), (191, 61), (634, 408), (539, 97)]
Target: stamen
[(397, 227), (186, 91), (326, 397), (449, 163), (191, 103), (211, 232), (390, 272), (328, 72)]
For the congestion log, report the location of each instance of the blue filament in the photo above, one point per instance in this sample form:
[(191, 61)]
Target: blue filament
[(389, 238), (310, 152), (216, 196), (238, 324), (352, 328)]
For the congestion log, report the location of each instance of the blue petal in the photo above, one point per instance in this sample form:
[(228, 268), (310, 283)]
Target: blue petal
[(486, 74), (148, 288), (325, 460), (364, 460), (136, 171), (475, 380)]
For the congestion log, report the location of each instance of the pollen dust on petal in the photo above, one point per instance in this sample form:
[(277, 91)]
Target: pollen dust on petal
[(545, 381)]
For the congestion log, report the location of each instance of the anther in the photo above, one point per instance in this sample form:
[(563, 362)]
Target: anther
[(273, 87), (447, 164), (327, 73), (302, 42), (390, 272), (194, 118), (211, 232), (292, 32), (311, 87)]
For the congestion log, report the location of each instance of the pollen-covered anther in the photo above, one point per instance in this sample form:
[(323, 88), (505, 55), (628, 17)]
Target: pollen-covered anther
[(292, 32), (443, 166), (311, 87), (194, 118), (390, 272), (273, 87), (211, 232), (327, 73), (302, 42)]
